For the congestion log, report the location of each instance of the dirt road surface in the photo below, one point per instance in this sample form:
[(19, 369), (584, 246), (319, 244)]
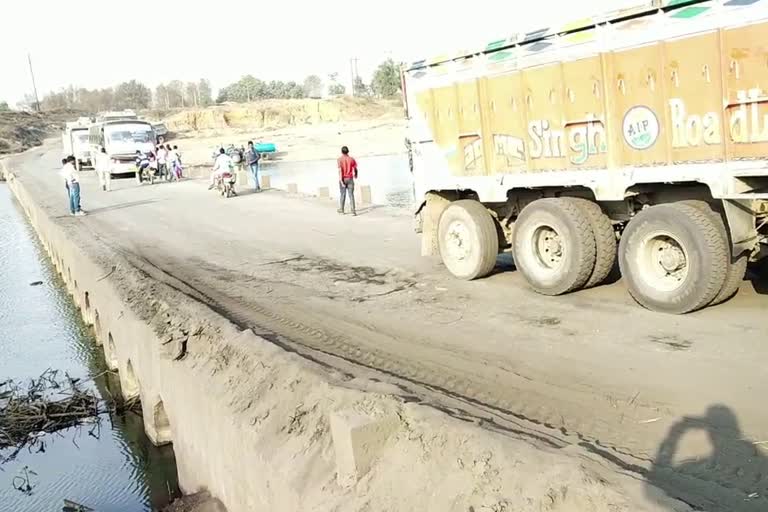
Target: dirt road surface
[(676, 400)]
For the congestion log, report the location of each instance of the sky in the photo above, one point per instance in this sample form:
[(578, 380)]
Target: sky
[(99, 43)]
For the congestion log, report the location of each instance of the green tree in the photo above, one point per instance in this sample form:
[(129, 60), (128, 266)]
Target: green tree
[(204, 92), (336, 89), (313, 86), (191, 95), (4, 106), (175, 94), (106, 99), (294, 90), (161, 97), (224, 93), (386, 80), (360, 89), (133, 95), (251, 88)]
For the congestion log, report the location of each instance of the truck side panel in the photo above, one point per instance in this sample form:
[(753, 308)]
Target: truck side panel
[(507, 123), (638, 91), (695, 104), (543, 89), (695, 98), (745, 65), (585, 111)]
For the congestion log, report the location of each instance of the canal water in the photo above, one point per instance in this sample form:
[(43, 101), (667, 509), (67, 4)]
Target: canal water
[(118, 470), (389, 177)]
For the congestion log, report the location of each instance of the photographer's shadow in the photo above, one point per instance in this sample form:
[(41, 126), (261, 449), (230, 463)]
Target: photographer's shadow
[(733, 478)]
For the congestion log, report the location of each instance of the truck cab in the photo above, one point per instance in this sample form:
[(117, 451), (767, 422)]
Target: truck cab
[(75, 142), (121, 138)]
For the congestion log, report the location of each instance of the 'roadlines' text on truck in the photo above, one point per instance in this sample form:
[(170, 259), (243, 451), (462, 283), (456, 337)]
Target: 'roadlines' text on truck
[(641, 136)]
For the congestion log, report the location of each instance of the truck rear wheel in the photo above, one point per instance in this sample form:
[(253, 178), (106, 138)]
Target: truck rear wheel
[(468, 240), (605, 241), (554, 245), (736, 266), (674, 258), (737, 269)]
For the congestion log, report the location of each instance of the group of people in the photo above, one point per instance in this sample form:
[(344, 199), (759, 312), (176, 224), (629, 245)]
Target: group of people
[(225, 166), (165, 160)]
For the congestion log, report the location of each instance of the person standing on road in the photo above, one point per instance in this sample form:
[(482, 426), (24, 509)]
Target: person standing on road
[(61, 171), (347, 177), (162, 161), (252, 158), (173, 163), (101, 164), (178, 158), (72, 178)]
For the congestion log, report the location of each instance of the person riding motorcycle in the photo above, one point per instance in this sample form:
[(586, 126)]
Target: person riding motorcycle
[(142, 162), (222, 166)]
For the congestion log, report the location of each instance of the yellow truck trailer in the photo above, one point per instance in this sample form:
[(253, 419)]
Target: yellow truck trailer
[(641, 135)]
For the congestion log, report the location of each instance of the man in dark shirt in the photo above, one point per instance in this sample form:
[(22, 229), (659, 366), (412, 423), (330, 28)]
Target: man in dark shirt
[(347, 176), (252, 158)]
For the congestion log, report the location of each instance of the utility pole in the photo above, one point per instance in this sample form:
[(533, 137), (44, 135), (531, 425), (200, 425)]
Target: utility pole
[(34, 86), (353, 73)]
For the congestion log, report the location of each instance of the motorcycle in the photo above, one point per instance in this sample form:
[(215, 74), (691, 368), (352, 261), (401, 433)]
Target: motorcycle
[(146, 174), (225, 185)]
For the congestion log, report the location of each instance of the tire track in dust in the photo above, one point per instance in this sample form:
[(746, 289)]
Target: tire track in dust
[(296, 337), (420, 383)]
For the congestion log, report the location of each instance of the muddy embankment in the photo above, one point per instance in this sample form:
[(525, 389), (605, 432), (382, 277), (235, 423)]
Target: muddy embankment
[(262, 428), (20, 131)]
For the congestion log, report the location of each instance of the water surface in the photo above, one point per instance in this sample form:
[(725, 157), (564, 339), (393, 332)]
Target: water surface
[(40, 327), (389, 177)]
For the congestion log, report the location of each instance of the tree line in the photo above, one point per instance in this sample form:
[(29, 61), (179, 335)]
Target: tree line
[(127, 95), (175, 94), (384, 84)]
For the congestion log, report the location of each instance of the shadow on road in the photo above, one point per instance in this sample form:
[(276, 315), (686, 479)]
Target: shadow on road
[(732, 478), (121, 206)]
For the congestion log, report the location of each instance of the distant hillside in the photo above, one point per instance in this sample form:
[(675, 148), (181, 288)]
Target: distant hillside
[(22, 130)]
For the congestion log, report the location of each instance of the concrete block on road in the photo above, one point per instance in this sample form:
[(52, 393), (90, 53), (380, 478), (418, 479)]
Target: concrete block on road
[(244, 179), (266, 182), (358, 440), (293, 188), (365, 194), (324, 193), (197, 172)]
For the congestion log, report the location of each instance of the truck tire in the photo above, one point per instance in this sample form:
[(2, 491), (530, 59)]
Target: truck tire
[(737, 269), (468, 240), (554, 246), (736, 266), (605, 241), (674, 258)]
